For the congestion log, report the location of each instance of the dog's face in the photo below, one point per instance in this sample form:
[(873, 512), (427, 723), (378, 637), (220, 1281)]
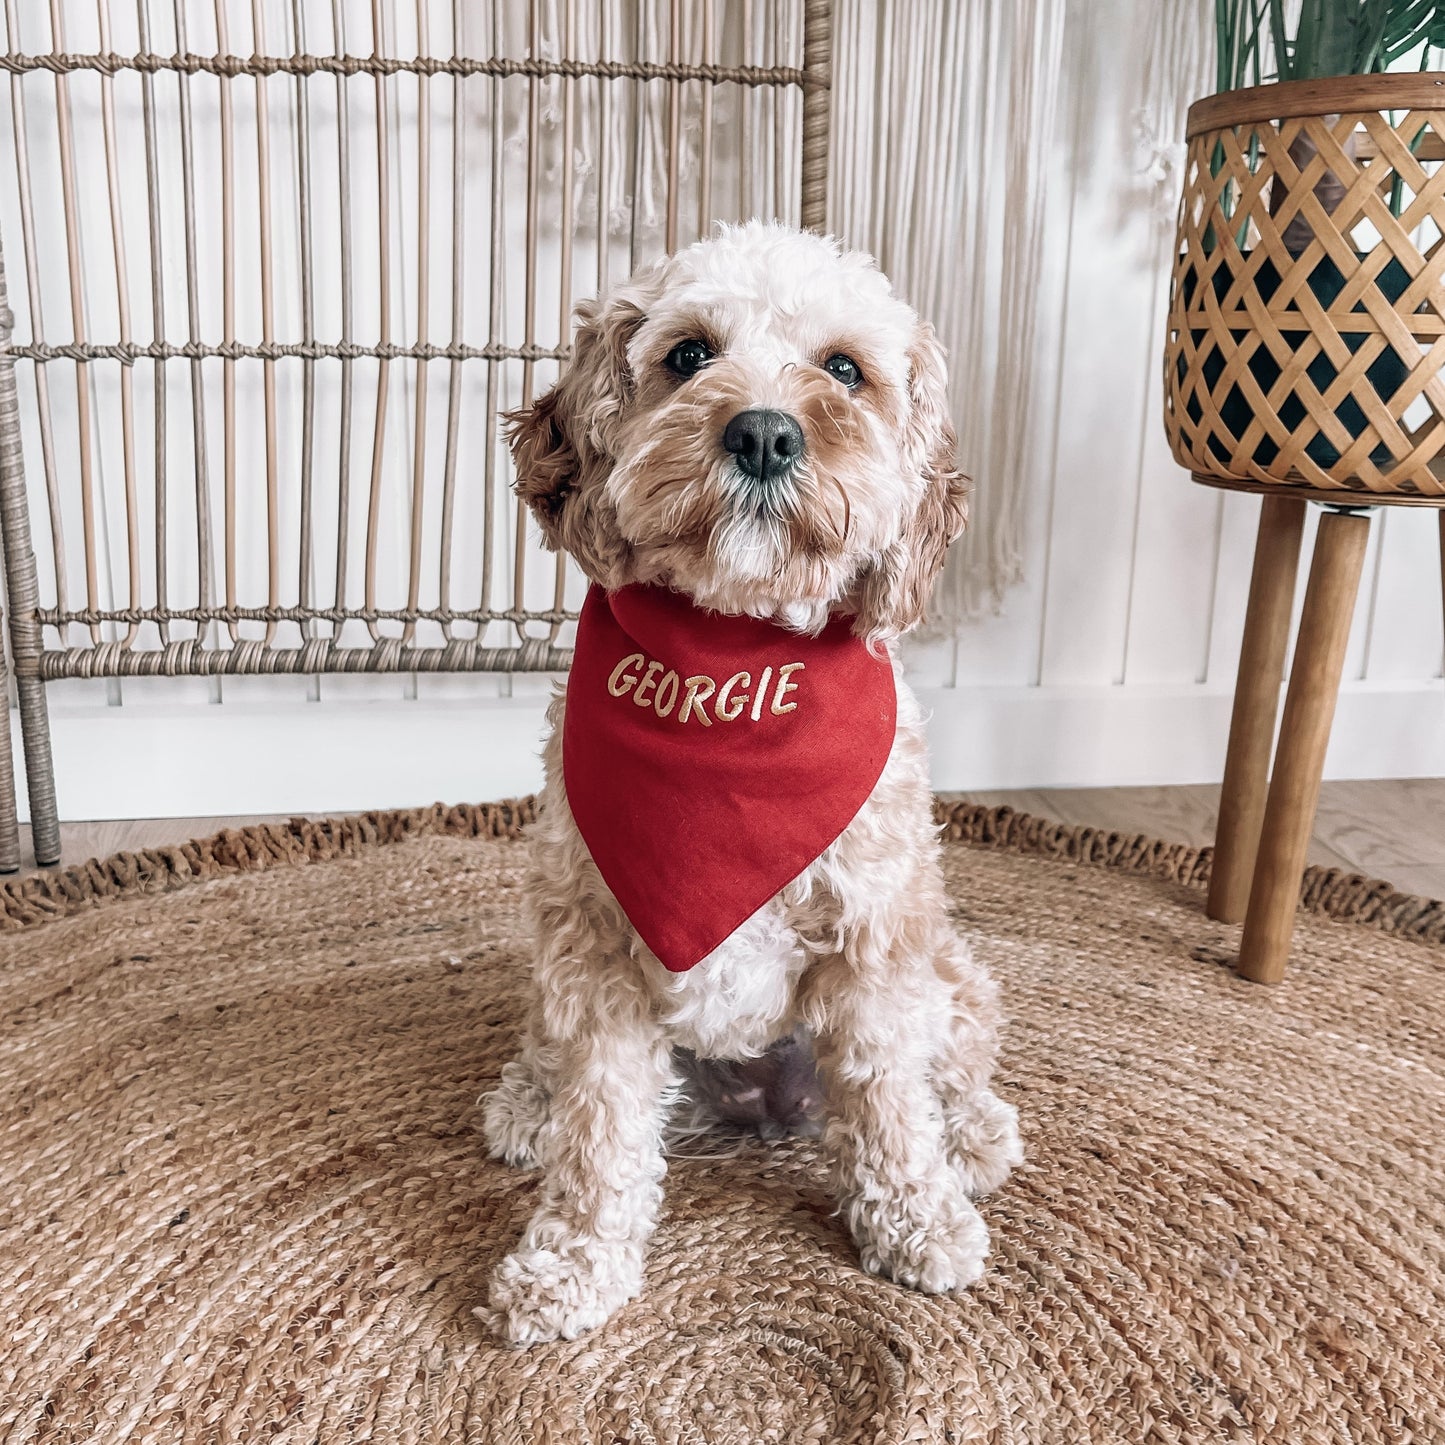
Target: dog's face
[(759, 423)]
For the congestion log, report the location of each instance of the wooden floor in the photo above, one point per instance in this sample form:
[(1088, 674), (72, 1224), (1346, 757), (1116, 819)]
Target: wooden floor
[(1392, 829)]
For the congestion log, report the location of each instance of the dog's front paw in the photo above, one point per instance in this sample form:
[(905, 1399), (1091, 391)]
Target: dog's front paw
[(982, 1135), (513, 1116), (558, 1294), (933, 1244)]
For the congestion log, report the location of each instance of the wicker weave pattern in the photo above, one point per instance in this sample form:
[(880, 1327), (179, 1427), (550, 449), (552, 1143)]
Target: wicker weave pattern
[(513, 629), (497, 66), (1305, 337)]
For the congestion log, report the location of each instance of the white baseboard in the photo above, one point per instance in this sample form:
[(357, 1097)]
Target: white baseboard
[(1140, 736), (180, 760)]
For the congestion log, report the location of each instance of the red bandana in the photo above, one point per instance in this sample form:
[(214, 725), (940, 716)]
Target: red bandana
[(710, 759)]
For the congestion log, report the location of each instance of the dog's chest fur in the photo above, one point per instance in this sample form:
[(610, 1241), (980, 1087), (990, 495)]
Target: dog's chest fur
[(740, 997)]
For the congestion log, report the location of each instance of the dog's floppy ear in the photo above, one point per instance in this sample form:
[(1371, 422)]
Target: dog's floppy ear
[(895, 592), (561, 442)]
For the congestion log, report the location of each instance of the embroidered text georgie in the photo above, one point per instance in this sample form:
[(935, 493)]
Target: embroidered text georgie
[(653, 687)]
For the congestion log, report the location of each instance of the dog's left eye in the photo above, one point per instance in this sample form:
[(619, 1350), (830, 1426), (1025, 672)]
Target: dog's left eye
[(687, 358), (843, 368)]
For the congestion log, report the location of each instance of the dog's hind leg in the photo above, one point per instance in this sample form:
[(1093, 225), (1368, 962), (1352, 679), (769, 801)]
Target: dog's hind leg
[(981, 1131), (514, 1113), (983, 1139)]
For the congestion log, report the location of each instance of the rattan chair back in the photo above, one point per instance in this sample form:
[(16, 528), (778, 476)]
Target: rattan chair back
[(277, 268)]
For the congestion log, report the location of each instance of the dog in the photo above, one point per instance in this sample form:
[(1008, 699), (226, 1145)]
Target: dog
[(749, 456)]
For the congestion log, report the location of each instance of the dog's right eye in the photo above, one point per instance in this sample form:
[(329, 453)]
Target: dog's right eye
[(687, 358)]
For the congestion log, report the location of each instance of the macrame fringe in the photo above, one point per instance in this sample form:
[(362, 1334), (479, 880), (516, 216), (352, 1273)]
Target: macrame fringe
[(943, 121), (1178, 69)]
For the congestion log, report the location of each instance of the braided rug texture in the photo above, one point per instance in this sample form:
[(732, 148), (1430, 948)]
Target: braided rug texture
[(245, 1197)]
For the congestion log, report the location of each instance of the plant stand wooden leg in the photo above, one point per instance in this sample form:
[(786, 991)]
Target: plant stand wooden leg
[(1309, 710), (1256, 705)]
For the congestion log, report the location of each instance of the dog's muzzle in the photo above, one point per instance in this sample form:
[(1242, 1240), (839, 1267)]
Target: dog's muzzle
[(766, 444)]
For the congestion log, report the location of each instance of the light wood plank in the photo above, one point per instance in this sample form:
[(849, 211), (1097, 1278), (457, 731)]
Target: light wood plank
[(1405, 635), (1021, 800), (1238, 531), (1181, 815), (1188, 814), (1427, 881), (1385, 827), (1109, 314)]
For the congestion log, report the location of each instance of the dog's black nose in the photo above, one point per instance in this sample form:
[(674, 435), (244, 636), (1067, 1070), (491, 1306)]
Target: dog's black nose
[(766, 443)]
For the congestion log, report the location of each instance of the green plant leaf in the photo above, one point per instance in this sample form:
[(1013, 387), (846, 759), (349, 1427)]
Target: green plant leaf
[(1282, 56), (1329, 37), (1420, 22)]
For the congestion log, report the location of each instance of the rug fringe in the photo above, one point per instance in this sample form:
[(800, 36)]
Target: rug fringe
[(1333, 892), (44, 896)]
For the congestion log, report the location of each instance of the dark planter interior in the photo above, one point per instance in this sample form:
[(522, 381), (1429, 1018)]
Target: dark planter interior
[(1386, 374)]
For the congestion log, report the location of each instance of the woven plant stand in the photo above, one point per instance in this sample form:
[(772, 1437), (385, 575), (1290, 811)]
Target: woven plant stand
[(1303, 360)]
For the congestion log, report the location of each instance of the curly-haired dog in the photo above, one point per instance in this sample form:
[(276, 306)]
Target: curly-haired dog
[(750, 457)]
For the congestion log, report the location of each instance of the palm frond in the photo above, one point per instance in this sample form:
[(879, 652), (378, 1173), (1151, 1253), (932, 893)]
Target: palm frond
[(1328, 37)]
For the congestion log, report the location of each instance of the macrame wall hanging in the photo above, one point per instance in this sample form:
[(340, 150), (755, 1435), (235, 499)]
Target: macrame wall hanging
[(943, 120)]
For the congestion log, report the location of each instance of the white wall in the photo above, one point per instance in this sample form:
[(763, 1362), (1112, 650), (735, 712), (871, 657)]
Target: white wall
[(1111, 664)]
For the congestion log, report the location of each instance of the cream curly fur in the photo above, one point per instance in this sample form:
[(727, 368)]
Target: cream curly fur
[(624, 467)]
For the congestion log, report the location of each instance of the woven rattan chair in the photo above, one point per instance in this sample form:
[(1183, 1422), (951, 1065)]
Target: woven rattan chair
[(1304, 361), (249, 341)]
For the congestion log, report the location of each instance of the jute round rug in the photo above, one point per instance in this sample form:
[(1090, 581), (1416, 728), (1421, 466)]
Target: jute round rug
[(244, 1196)]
